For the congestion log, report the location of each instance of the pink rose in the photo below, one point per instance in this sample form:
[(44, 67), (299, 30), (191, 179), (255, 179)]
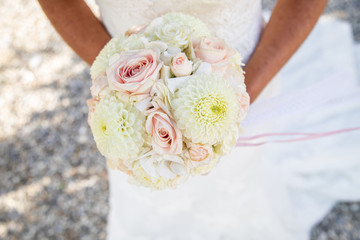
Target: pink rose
[(134, 72), (212, 50), (233, 73), (180, 65), (201, 153), (244, 100), (166, 137)]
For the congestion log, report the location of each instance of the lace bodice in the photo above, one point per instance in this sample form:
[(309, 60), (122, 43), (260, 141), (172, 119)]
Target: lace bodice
[(237, 21)]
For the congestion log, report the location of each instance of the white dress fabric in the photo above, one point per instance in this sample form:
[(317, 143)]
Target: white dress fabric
[(276, 191)]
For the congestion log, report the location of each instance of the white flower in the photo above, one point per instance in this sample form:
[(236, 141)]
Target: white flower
[(115, 45), (198, 27), (229, 141), (165, 72), (133, 42), (161, 97), (176, 29), (162, 165), (204, 169), (206, 108), (159, 171), (237, 59), (158, 46), (102, 60), (169, 54), (173, 34), (118, 128)]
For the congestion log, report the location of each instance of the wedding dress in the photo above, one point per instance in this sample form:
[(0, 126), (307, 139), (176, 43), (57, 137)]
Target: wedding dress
[(276, 191)]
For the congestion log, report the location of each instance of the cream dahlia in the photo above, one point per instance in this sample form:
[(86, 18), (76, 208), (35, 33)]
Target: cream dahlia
[(229, 141), (206, 108), (102, 60), (118, 128)]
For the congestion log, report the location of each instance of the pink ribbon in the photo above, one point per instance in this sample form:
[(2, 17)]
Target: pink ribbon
[(244, 141)]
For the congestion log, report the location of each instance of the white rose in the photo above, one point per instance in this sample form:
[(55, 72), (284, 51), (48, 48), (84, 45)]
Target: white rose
[(197, 26), (162, 165), (173, 34), (158, 46), (161, 97), (181, 66)]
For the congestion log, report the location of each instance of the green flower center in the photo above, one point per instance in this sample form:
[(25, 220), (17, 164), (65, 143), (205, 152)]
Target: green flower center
[(210, 109), (104, 129)]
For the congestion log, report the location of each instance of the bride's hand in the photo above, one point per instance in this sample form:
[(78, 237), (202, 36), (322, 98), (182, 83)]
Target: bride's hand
[(290, 23), (78, 26)]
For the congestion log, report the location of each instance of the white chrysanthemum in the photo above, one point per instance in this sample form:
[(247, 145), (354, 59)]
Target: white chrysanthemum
[(197, 26), (102, 60), (206, 108), (115, 45), (118, 128), (237, 60), (133, 42), (229, 141)]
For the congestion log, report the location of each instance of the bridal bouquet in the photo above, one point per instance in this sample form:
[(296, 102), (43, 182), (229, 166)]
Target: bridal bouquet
[(167, 101)]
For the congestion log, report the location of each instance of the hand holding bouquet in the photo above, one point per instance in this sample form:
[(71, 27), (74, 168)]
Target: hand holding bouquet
[(167, 101)]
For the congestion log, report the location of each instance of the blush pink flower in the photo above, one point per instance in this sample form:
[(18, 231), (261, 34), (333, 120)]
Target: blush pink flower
[(91, 104), (244, 100), (134, 72), (98, 84), (201, 153), (212, 49), (181, 66), (166, 137)]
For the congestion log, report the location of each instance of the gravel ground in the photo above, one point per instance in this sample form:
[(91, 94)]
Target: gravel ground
[(53, 182)]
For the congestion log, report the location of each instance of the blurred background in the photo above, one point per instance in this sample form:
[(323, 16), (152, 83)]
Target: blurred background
[(53, 181)]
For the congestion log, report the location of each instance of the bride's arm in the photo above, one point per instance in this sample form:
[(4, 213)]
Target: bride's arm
[(77, 25), (290, 23)]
